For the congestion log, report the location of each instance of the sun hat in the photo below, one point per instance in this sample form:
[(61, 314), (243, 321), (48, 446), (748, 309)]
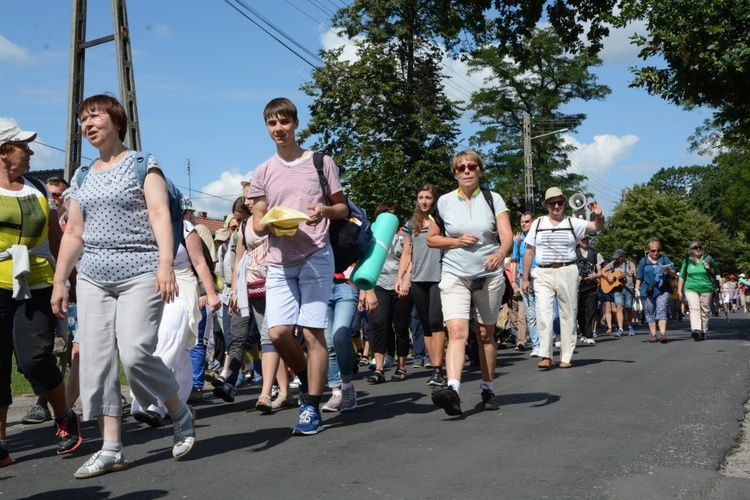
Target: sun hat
[(284, 220), (222, 234), (553, 192), (11, 133), (187, 205)]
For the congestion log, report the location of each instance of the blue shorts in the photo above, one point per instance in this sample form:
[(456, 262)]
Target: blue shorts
[(298, 295), (623, 298)]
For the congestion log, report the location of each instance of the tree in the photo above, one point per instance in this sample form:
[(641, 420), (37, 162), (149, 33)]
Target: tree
[(707, 53), (647, 214), (540, 81), (700, 186), (385, 116)]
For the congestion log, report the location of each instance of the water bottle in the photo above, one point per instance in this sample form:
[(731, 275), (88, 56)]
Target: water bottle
[(72, 317)]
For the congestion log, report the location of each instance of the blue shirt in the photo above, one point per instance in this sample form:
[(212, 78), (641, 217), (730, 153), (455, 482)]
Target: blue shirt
[(519, 249)]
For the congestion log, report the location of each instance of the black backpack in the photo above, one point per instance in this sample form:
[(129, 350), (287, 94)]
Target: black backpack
[(349, 238)]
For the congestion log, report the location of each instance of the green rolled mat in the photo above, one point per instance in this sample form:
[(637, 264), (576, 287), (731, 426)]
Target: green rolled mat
[(365, 275)]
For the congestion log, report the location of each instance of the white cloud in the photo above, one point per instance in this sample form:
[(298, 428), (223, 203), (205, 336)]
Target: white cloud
[(600, 156), (618, 49), (216, 197), (331, 40), (9, 51)]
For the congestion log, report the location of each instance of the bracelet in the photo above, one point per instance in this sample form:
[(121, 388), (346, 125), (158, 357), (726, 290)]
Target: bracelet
[(600, 217)]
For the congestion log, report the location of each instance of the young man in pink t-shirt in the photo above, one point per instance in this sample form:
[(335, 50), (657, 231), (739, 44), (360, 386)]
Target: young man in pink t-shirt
[(300, 266)]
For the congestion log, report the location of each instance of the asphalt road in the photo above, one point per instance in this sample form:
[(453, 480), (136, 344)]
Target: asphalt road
[(629, 420)]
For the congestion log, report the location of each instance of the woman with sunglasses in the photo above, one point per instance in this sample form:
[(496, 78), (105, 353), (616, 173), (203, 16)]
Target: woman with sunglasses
[(552, 240), (696, 285), (29, 239), (472, 278), (119, 226), (652, 285)]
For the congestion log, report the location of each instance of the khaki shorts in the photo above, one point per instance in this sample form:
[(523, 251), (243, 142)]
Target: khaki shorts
[(459, 298)]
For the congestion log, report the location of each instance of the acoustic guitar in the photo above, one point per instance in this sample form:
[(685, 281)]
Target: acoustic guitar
[(607, 287)]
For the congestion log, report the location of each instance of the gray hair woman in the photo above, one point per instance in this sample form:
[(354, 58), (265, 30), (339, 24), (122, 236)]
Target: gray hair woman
[(696, 284)]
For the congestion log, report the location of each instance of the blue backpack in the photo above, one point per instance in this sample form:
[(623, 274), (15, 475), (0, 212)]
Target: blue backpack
[(349, 239), (175, 196)]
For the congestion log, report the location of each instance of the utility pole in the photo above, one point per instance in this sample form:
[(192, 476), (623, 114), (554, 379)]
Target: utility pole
[(529, 177), (78, 46), (190, 181)]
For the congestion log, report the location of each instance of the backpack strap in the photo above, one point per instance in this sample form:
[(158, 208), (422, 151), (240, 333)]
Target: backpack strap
[(37, 184), (141, 166), (83, 171), (318, 162)]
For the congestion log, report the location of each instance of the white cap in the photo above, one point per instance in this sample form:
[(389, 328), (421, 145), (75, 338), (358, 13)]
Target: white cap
[(11, 133)]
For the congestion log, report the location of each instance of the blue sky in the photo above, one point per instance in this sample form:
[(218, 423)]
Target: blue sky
[(204, 73)]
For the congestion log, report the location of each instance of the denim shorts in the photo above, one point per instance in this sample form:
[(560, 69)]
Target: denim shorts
[(298, 295), (623, 298)]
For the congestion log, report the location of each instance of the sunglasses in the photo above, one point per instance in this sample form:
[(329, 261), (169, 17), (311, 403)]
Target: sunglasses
[(653, 250), (556, 203), (698, 247), (20, 144), (462, 168), (525, 222)]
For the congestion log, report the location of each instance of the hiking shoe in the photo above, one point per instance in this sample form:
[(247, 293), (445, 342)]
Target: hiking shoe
[(218, 381), (99, 464), (348, 399), (184, 434), (520, 347), (437, 379), (309, 423), (447, 399), (618, 333), (68, 432), (489, 401), (196, 396), (418, 362), (631, 333), (4, 457), (150, 417), (37, 415), (225, 392), (333, 404), (585, 340)]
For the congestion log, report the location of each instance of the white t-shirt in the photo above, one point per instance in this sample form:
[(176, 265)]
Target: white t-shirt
[(555, 244)]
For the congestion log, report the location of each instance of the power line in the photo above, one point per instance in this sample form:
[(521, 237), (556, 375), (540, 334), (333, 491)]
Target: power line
[(320, 8), (270, 34)]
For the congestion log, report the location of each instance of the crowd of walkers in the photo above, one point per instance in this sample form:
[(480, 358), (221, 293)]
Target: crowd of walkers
[(150, 292)]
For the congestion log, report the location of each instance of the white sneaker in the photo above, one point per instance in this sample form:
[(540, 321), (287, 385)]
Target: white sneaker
[(294, 384), (333, 404), (348, 399), (534, 353), (588, 341), (557, 344)]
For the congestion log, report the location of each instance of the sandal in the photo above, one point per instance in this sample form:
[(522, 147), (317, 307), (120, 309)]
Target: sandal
[(663, 338), (609, 330), (264, 404), (376, 378), (282, 401), (399, 375), (653, 340)]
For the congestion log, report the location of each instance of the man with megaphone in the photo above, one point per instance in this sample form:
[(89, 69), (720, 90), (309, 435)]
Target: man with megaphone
[(552, 239)]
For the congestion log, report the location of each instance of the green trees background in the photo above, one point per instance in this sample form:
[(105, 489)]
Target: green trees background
[(387, 119)]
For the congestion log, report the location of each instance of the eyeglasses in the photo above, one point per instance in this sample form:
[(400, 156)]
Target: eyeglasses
[(696, 247), (462, 168), (525, 222), (556, 203), (96, 117)]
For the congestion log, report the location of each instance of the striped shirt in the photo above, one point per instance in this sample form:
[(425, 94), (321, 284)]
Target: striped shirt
[(295, 185), (555, 244)]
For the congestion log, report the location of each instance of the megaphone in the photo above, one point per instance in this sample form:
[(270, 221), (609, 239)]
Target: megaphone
[(578, 203)]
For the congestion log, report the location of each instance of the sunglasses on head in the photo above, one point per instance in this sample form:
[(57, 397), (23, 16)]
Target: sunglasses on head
[(462, 168), (556, 203)]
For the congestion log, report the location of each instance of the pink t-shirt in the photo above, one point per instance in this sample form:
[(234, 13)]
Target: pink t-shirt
[(295, 185)]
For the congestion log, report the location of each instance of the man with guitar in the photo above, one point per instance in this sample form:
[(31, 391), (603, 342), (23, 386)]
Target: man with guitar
[(618, 279)]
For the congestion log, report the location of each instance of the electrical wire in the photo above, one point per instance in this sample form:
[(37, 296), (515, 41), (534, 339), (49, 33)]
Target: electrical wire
[(270, 34)]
